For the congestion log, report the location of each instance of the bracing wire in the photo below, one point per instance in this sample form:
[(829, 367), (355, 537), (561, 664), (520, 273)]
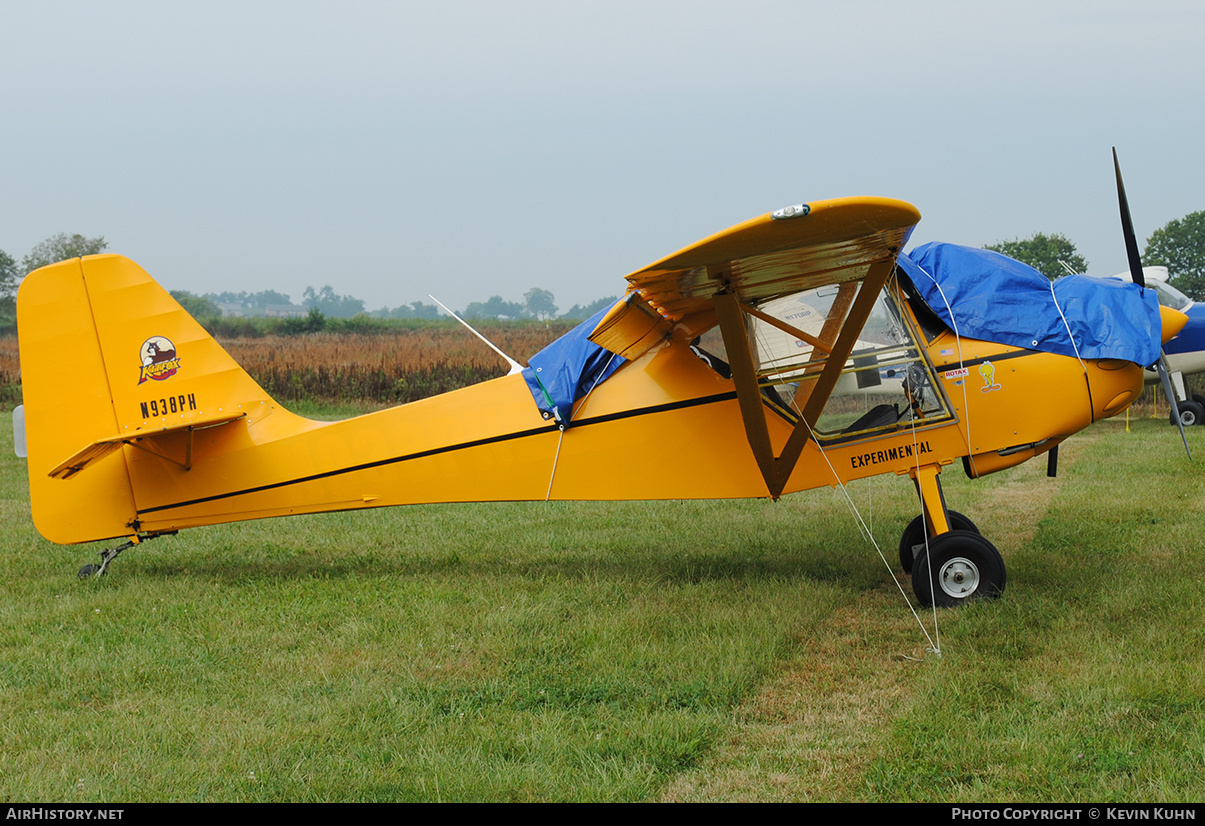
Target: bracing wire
[(866, 531), (924, 519), (795, 404), (966, 411), (565, 426), (935, 647), (555, 460)]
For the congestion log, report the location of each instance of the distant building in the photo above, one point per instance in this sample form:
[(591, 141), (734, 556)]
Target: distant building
[(285, 310)]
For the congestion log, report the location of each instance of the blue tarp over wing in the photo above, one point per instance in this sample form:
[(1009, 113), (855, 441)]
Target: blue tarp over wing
[(995, 298), (568, 369)]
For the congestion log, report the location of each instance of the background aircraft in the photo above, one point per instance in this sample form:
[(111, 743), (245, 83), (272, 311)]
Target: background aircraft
[(1186, 352)]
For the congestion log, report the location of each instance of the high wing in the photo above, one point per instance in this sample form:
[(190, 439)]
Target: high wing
[(780, 253), (738, 275)]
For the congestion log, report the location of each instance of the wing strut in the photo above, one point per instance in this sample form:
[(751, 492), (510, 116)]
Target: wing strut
[(777, 470)]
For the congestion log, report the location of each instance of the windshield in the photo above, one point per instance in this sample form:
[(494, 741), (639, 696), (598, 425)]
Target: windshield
[(1169, 296)]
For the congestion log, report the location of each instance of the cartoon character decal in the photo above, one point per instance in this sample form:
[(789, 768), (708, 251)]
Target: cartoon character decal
[(987, 372), (158, 358)]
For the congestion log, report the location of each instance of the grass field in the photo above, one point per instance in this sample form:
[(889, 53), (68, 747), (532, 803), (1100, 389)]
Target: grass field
[(677, 651)]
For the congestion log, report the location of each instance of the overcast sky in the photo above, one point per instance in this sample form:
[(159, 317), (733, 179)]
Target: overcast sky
[(473, 148)]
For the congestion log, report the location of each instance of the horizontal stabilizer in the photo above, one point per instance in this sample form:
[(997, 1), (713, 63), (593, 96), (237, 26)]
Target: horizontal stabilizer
[(145, 440)]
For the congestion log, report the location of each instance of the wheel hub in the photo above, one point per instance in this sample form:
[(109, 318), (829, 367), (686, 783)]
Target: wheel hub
[(959, 577)]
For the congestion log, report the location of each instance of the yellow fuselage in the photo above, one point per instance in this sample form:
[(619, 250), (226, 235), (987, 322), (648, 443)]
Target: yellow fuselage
[(665, 426)]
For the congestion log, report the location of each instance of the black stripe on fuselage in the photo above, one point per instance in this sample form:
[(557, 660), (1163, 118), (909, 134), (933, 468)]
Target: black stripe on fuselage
[(954, 365), (505, 437)]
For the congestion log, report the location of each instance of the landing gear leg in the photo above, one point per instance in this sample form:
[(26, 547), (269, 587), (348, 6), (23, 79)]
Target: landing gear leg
[(959, 565), (935, 517)]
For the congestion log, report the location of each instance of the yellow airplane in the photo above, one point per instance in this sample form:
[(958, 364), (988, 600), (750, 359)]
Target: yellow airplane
[(139, 424)]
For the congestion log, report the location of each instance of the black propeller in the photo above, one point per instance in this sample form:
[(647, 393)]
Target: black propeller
[(1127, 229)]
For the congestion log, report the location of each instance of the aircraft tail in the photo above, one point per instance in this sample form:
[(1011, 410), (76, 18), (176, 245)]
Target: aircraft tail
[(110, 359)]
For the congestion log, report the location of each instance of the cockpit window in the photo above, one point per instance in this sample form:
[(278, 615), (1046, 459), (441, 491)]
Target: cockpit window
[(886, 383), (1169, 296)]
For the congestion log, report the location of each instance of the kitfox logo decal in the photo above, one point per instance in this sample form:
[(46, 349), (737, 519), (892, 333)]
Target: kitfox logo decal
[(159, 360)]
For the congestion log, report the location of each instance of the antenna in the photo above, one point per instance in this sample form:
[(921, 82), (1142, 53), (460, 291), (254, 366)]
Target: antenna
[(515, 367)]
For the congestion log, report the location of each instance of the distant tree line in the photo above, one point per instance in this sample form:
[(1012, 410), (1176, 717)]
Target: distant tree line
[(538, 305), (1179, 245), (317, 309)]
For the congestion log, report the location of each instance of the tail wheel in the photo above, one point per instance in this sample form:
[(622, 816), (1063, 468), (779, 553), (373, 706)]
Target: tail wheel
[(960, 566), (912, 542)]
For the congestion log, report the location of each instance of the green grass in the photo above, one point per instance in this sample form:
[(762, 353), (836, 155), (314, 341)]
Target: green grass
[(622, 651)]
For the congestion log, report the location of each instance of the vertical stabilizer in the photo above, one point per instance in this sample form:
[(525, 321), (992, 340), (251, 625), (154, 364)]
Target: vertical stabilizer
[(110, 359)]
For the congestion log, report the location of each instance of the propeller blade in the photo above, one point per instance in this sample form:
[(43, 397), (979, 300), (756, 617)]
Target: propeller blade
[(1127, 228), (1161, 367)]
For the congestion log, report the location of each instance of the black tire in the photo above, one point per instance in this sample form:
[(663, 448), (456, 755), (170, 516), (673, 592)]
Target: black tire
[(1191, 413), (963, 565), (88, 571), (1199, 399), (914, 535)]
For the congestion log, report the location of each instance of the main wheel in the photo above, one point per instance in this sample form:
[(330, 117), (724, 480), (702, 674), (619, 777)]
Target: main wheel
[(1191, 413), (88, 571), (914, 535), (963, 566)]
